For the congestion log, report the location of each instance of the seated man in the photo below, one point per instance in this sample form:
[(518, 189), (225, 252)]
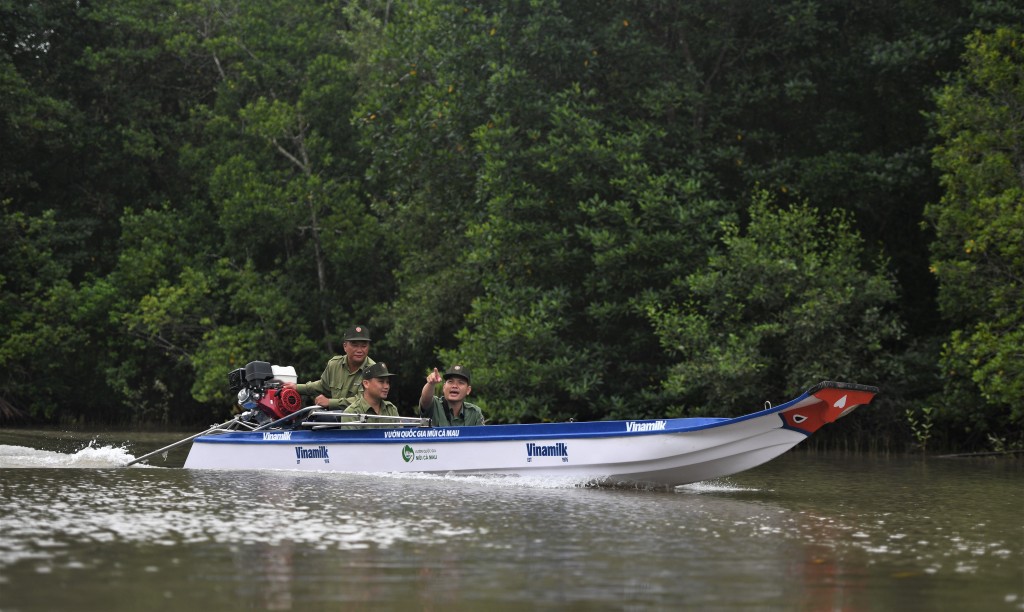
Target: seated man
[(373, 401), (450, 409)]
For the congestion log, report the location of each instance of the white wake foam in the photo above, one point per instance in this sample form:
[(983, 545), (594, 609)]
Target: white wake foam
[(713, 486), (89, 457)]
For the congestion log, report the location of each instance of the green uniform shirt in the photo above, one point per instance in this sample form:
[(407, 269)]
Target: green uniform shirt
[(359, 406), (441, 414), (337, 383)]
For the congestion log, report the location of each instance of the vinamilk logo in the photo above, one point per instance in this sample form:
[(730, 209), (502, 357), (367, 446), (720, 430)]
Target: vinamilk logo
[(408, 454)]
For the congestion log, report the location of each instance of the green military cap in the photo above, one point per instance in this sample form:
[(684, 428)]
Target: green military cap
[(458, 370), (357, 332), (377, 370)]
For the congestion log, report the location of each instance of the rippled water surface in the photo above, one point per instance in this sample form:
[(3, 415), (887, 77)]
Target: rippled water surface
[(806, 531)]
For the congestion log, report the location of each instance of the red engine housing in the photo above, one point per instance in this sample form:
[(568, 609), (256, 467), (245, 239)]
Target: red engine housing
[(279, 403)]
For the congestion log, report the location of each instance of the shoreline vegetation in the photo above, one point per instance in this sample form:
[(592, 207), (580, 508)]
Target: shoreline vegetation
[(612, 211)]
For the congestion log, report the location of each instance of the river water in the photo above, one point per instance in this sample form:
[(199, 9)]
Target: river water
[(808, 531)]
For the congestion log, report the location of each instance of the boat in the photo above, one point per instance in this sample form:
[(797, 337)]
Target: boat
[(643, 452)]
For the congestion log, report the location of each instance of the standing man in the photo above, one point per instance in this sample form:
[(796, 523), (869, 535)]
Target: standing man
[(374, 400), (451, 409), (339, 385)]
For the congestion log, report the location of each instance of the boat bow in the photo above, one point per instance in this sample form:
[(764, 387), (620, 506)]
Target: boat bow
[(824, 403)]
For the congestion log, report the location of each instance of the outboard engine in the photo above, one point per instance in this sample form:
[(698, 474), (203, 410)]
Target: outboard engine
[(260, 387)]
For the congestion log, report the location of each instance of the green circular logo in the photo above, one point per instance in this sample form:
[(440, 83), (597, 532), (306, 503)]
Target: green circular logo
[(408, 454)]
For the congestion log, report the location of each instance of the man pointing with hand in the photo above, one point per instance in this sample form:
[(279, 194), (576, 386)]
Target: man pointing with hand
[(451, 409)]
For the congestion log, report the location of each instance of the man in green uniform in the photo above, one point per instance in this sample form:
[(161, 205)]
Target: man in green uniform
[(451, 409), (339, 385), (376, 384)]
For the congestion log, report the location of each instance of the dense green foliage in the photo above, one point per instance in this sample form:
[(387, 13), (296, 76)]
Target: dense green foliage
[(978, 254), (605, 209), (768, 312)]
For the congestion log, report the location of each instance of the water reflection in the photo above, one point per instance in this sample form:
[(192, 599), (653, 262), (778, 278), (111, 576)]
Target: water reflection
[(811, 532)]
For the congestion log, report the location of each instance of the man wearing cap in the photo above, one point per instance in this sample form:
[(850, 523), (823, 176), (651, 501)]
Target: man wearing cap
[(339, 385), (450, 409), (376, 384)]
